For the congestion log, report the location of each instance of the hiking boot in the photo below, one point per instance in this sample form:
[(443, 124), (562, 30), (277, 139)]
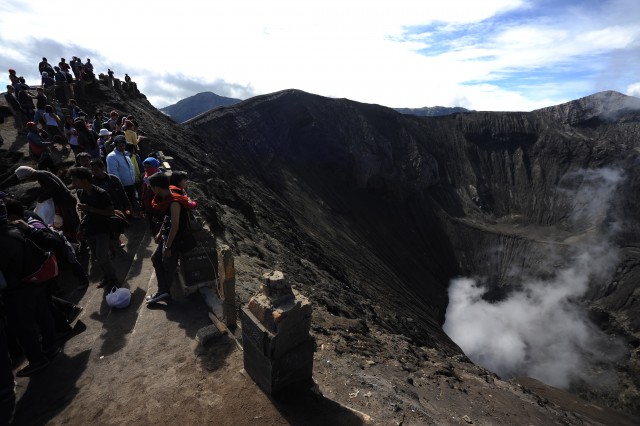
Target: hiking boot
[(33, 368), (154, 298)]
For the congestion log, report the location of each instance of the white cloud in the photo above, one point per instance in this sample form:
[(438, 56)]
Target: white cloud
[(367, 51), (634, 90)]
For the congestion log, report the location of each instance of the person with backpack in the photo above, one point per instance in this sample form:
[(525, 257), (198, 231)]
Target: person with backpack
[(63, 311), (28, 312), (47, 238), (175, 224), (44, 65), (96, 207), (51, 186)]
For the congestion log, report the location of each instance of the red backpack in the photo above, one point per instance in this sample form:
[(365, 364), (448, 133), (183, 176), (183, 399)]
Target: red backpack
[(38, 266)]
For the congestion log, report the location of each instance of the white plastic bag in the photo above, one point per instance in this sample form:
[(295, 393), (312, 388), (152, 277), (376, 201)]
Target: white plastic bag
[(119, 297), (46, 210)]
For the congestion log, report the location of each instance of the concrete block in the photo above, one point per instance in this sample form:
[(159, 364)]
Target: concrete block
[(253, 331), (275, 345), (295, 368)]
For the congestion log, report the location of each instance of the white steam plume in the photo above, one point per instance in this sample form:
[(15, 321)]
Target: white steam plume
[(539, 330)]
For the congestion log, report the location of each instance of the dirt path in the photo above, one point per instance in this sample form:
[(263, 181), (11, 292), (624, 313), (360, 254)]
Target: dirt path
[(144, 366)]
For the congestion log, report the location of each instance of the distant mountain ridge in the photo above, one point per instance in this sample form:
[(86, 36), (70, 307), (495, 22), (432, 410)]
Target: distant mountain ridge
[(197, 104), (193, 106), (431, 111)]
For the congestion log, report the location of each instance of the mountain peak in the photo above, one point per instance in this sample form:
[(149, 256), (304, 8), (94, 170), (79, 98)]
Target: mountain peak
[(195, 105)]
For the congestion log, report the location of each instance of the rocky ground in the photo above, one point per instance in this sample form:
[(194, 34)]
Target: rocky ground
[(145, 366)]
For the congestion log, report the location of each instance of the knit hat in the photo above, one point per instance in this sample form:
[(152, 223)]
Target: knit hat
[(3, 213), (153, 162), (23, 172)]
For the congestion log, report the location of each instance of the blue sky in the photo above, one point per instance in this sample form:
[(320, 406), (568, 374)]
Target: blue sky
[(485, 55)]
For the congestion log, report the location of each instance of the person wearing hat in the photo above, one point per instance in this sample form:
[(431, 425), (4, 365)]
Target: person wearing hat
[(104, 136), (25, 305), (51, 186), (47, 80)]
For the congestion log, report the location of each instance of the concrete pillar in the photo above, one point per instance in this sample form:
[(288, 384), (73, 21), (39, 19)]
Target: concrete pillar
[(277, 347), (227, 285)]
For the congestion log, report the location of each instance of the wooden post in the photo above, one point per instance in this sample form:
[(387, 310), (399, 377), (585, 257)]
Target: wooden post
[(227, 285)]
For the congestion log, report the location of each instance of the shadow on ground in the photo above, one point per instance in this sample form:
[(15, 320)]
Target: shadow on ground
[(49, 392), (305, 406)]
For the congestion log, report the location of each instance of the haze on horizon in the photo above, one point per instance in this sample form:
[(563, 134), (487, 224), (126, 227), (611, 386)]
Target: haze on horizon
[(501, 55)]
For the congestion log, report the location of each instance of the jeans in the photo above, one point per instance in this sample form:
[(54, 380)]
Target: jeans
[(99, 246), (165, 267)]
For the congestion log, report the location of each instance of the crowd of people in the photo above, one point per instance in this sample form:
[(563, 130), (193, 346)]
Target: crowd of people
[(110, 187)]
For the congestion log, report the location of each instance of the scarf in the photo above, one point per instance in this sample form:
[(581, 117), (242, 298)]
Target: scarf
[(177, 190), (161, 205), (149, 172)]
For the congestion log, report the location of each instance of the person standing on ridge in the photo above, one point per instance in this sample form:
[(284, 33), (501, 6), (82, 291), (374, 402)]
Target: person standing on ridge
[(96, 207), (165, 258), (119, 164), (40, 149), (19, 120)]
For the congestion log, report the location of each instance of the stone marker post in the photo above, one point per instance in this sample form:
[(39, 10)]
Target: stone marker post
[(278, 349), (227, 285)]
